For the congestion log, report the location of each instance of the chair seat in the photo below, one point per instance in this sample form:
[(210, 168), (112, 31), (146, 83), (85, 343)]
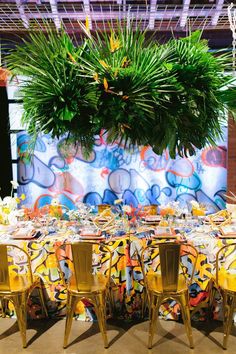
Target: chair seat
[(97, 283), (155, 283), (227, 281), (20, 283)]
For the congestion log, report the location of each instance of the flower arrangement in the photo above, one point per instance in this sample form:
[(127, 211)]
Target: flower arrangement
[(170, 209), (73, 215), (55, 209), (135, 214), (35, 213), (130, 213), (9, 211)]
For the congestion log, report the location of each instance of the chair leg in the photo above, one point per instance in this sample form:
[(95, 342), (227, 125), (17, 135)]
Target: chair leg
[(153, 313), (20, 302), (110, 300), (4, 304), (101, 316), (228, 317), (144, 301), (41, 297), (183, 300), (70, 309), (212, 293)]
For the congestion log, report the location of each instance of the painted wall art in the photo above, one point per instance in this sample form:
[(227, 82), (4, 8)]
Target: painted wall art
[(59, 169)]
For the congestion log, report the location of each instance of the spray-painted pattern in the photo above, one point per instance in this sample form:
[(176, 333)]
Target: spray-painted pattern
[(110, 172)]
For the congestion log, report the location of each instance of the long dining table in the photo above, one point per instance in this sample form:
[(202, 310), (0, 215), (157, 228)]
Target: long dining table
[(126, 271)]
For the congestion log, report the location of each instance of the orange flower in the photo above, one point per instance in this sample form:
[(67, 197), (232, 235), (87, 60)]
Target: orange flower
[(55, 211), (114, 43), (125, 97), (95, 76), (87, 24), (125, 62), (104, 64), (105, 84), (167, 211), (71, 57)]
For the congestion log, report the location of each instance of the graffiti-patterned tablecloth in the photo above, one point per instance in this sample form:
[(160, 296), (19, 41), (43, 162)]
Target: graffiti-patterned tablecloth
[(126, 274)]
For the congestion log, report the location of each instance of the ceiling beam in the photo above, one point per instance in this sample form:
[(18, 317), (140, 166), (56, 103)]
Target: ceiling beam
[(109, 15), (157, 14), (185, 12), (217, 12), (55, 15), (21, 10), (152, 14)]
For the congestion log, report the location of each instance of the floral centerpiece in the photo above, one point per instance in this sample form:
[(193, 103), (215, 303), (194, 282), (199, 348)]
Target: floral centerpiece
[(55, 209), (80, 214), (35, 213), (9, 212), (129, 214), (170, 209)]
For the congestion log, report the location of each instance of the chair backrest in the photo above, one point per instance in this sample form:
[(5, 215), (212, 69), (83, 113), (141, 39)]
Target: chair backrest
[(169, 260), (102, 207), (82, 262), (4, 272), (226, 260), (4, 264), (150, 209), (221, 218), (82, 257)]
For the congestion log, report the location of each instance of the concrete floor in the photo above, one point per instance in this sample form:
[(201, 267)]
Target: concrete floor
[(46, 337)]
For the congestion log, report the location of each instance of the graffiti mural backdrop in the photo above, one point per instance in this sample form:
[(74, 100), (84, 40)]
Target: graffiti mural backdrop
[(59, 169)]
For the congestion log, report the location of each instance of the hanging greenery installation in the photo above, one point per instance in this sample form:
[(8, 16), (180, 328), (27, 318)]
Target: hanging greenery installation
[(135, 90)]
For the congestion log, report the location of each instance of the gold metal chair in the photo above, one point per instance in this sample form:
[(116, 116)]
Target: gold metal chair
[(102, 207), (83, 284), (16, 286), (163, 279), (226, 283), (223, 215), (150, 209)]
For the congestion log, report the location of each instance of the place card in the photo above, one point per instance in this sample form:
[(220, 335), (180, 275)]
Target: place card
[(25, 233), (164, 232), (228, 231), (90, 233)]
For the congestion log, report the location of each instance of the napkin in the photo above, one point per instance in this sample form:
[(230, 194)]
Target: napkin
[(25, 233)]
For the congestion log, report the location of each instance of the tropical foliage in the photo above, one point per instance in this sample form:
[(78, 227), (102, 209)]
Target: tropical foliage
[(135, 90)]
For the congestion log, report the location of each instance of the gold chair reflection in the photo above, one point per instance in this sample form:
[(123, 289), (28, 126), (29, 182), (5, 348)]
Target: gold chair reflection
[(226, 283), (16, 287), (163, 280), (83, 284), (150, 209)]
